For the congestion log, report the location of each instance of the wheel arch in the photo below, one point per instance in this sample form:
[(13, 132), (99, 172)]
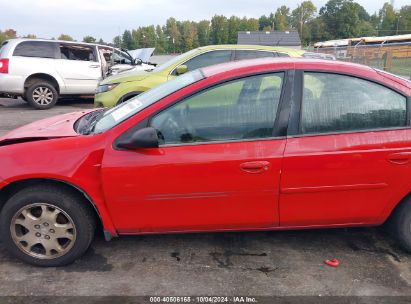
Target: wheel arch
[(391, 211), (129, 95), (42, 76), (12, 188)]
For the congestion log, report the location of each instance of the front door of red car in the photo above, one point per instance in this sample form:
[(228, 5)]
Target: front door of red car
[(218, 165), (349, 156)]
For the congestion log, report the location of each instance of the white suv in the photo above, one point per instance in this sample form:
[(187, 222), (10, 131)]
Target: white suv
[(42, 71)]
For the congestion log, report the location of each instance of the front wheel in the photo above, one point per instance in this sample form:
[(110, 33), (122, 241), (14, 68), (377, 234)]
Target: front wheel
[(46, 226)]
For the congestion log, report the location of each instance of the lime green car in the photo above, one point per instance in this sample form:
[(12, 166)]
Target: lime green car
[(118, 88)]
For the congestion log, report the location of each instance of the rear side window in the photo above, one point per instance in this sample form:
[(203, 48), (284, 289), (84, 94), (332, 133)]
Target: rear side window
[(40, 49), (249, 54), (77, 52), (334, 103)]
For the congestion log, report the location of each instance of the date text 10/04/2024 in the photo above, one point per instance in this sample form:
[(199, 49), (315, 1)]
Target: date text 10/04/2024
[(203, 299)]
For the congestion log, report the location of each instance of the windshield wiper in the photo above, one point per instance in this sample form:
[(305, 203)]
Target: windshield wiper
[(90, 121)]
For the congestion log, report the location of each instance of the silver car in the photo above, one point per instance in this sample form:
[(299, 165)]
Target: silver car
[(42, 71)]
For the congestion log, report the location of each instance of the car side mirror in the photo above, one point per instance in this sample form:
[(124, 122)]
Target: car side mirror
[(182, 69), (140, 139)]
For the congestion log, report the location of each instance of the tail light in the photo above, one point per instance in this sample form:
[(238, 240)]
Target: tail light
[(4, 66)]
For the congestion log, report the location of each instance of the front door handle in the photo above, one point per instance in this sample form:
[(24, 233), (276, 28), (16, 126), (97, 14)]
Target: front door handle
[(94, 66), (255, 166), (400, 158)]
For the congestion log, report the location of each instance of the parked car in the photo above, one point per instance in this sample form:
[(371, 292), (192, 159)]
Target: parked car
[(117, 89), (255, 145), (137, 60), (42, 71), (319, 56)]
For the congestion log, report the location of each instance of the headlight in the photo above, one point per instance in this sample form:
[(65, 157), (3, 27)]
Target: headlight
[(106, 87)]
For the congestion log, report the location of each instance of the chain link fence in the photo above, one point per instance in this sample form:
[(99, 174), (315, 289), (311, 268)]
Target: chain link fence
[(393, 57)]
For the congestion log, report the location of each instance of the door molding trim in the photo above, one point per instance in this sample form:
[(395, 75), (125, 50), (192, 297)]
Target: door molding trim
[(333, 188)]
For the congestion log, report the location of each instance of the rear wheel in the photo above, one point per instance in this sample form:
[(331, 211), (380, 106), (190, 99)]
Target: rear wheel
[(41, 95), (399, 224), (46, 226)]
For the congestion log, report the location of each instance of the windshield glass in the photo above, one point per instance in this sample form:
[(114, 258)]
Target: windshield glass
[(173, 61), (134, 105)]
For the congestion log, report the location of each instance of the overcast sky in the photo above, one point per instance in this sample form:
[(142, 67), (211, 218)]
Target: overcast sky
[(108, 18)]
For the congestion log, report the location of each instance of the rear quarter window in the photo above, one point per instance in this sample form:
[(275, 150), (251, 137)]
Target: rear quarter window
[(2, 47), (39, 49)]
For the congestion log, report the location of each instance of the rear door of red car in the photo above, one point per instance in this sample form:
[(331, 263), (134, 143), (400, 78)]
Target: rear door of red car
[(218, 166), (347, 153)]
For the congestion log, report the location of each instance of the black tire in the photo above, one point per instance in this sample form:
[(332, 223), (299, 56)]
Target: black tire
[(34, 98), (399, 224), (73, 205)]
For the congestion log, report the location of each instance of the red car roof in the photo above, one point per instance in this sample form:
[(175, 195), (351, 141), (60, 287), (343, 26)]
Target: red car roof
[(275, 63), (268, 64)]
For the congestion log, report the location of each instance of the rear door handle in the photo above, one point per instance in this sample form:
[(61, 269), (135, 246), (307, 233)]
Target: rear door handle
[(94, 66), (255, 166), (400, 158)]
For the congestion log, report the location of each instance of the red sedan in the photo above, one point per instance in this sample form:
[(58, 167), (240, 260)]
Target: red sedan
[(254, 145)]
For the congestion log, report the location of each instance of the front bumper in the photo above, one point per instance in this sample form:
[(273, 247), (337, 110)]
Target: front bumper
[(106, 100)]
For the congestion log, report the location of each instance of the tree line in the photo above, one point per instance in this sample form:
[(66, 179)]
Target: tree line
[(337, 19)]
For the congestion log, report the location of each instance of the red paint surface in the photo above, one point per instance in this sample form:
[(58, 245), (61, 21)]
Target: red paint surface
[(336, 179), (302, 182)]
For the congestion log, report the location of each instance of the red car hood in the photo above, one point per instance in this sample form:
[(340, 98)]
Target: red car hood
[(53, 127)]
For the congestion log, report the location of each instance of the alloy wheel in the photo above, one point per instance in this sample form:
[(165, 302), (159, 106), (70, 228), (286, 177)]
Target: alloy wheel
[(43, 231), (43, 95)]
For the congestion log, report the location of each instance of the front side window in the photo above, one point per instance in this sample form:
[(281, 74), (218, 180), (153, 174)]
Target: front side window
[(121, 58), (240, 109), (340, 103), (206, 59), (114, 56), (40, 49), (250, 54), (175, 60), (280, 54)]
